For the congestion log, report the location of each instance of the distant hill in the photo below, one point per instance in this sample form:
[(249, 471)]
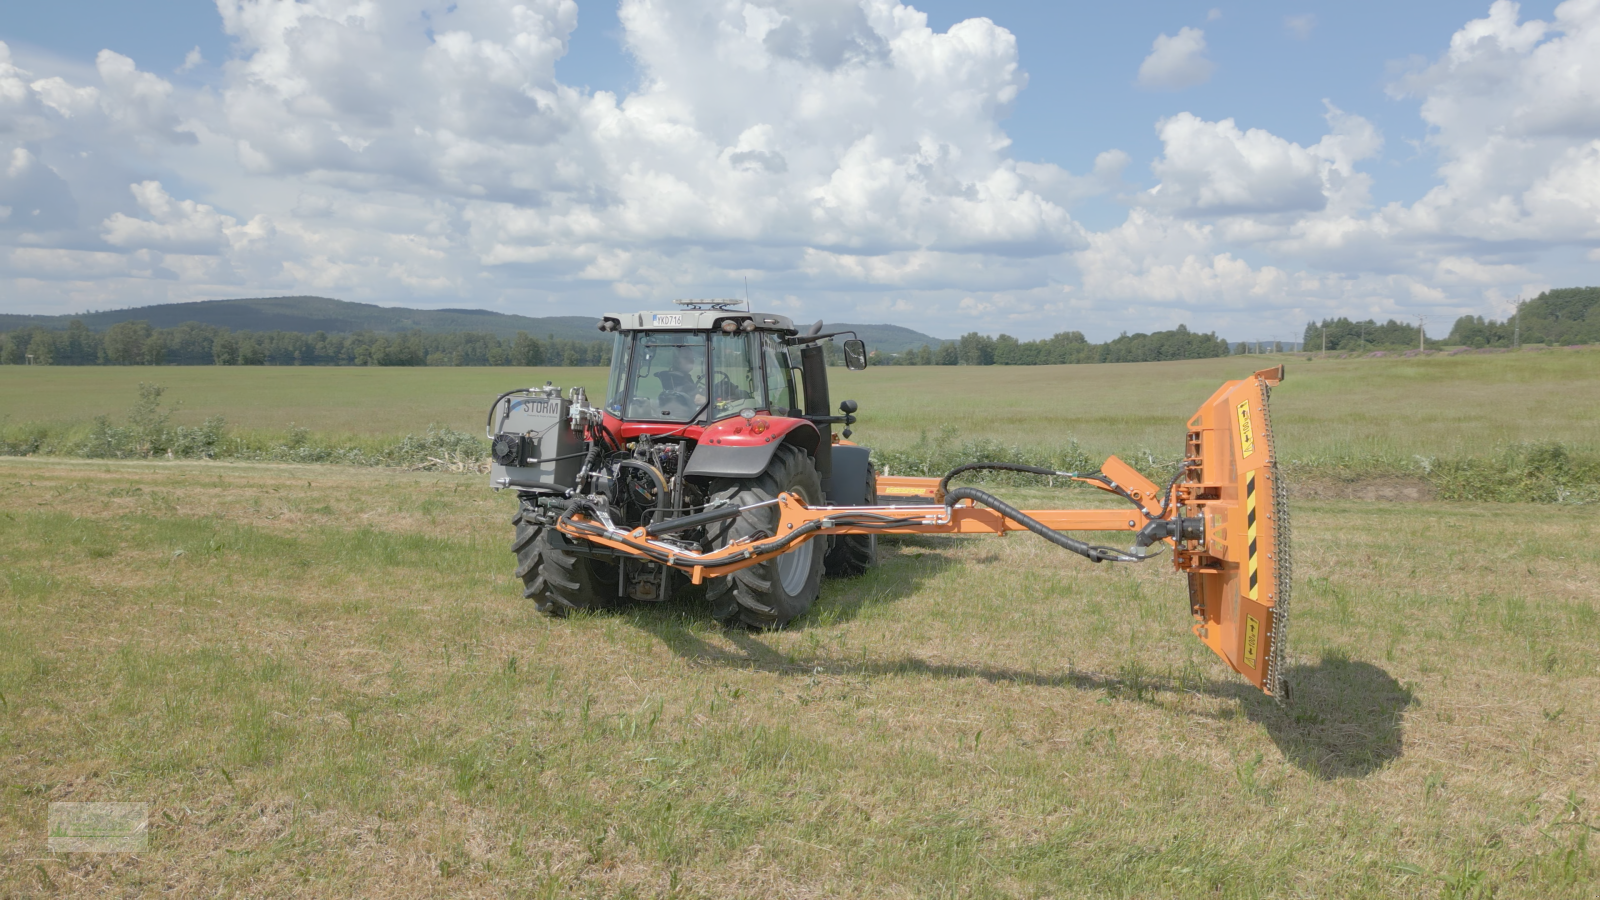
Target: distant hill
[(884, 338), (307, 315)]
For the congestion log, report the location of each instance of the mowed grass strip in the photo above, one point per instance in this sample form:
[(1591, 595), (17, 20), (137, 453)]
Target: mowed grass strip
[(1373, 413), (325, 682)]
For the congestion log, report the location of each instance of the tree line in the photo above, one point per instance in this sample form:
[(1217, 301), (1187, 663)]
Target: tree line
[(193, 344), (1067, 347), (1562, 316), (1558, 317), (1346, 336)]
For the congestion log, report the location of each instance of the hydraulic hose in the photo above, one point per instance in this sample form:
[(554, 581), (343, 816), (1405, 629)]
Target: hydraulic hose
[(944, 483), (768, 545), (1110, 485), (1166, 498), (490, 424), (1088, 551), (591, 455)]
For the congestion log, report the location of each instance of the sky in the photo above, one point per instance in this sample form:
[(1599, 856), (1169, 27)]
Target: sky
[(951, 166)]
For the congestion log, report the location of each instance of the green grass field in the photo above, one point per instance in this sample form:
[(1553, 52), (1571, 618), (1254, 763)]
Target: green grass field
[(1383, 410), (324, 682)]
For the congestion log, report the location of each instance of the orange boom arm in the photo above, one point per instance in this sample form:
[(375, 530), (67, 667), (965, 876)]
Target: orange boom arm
[(1224, 517)]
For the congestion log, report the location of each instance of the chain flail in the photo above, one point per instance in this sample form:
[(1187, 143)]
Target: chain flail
[(1282, 560)]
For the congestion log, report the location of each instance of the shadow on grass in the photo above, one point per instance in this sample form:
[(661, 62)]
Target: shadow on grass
[(1345, 718)]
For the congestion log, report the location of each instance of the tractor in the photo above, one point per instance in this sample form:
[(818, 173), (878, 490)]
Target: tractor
[(712, 466), (708, 408)]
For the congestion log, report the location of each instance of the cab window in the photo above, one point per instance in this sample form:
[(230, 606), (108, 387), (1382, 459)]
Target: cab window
[(733, 375), (669, 376), (780, 390), (621, 356)]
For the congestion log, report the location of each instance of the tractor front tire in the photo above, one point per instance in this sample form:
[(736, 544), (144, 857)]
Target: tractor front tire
[(557, 580), (853, 554), (773, 593)]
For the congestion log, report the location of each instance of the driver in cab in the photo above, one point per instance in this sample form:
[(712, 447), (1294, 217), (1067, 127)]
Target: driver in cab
[(683, 378)]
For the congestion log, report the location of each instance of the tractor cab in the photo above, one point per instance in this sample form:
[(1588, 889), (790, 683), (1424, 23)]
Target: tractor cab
[(674, 369), (707, 408), (708, 363)]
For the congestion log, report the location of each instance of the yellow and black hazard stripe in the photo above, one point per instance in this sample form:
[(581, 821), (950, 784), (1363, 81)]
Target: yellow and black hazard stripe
[(1250, 532)]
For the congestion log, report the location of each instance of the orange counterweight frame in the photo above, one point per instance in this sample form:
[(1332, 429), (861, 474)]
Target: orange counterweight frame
[(1237, 566)]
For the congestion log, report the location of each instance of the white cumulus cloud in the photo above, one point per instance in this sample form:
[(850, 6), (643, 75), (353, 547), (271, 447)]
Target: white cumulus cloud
[(1214, 168), (1176, 61)]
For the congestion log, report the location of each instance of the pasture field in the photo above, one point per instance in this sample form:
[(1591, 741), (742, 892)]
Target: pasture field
[(325, 682), (1367, 414)]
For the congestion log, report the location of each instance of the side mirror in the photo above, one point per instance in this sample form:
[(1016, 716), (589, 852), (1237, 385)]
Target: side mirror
[(855, 355), (847, 406)]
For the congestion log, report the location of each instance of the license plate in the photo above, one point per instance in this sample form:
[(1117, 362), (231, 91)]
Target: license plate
[(667, 321)]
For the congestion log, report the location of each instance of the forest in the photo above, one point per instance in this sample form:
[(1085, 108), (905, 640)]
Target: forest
[(194, 344)]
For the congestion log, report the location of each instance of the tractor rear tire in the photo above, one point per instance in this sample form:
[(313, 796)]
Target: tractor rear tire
[(557, 580), (773, 593), (853, 554)]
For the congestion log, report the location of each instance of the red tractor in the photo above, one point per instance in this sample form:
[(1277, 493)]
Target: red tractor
[(708, 408)]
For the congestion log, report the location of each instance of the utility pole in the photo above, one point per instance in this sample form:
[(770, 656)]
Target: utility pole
[(1324, 338), (1422, 323), (1516, 331)]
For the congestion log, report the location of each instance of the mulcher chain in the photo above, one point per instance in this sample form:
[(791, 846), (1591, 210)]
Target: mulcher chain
[(1283, 560)]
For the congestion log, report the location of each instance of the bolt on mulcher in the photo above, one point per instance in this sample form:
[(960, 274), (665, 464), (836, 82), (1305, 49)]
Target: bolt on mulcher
[(713, 463)]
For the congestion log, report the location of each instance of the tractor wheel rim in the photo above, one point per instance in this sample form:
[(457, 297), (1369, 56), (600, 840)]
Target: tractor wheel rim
[(794, 568)]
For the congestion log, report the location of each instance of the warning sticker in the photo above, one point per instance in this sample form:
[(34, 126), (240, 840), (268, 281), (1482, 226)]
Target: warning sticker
[(1247, 436), (1252, 640), (1253, 563)]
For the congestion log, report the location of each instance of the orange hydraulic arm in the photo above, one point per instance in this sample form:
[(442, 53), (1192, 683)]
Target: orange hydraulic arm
[(1223, 515)]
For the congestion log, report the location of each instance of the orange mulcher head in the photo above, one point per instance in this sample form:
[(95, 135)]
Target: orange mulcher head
[(1239, 572)]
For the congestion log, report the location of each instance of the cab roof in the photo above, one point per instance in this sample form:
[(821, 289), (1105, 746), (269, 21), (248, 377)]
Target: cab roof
[(696, 320)]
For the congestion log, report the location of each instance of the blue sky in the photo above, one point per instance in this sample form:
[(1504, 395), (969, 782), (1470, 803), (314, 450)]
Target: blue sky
[(1105, 167)]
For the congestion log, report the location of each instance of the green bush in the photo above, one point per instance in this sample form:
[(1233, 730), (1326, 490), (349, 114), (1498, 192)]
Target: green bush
[(148, 433), (1543, 472)]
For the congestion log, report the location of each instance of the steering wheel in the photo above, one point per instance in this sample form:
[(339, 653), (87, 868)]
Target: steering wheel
[(727, 390), (675, 400)]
